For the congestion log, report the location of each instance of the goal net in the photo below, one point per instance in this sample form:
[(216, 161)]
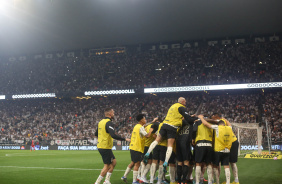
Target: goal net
[(249, 136)]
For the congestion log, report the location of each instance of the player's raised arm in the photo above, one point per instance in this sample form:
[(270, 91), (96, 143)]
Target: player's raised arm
[(201, 117), (110, 129)]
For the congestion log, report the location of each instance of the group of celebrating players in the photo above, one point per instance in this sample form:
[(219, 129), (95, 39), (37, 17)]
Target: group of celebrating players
[(158, 145)]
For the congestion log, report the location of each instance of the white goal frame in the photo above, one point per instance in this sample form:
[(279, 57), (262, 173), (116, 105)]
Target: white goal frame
[(248, 126)]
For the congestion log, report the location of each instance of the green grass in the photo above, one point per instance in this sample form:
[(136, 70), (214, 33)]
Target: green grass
[(39, 167)]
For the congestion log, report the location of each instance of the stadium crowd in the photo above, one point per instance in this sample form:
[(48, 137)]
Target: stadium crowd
[(65, 119), (242, 63), (52, 119)]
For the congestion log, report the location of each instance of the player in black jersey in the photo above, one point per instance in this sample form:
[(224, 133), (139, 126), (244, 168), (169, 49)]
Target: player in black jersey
[(183, 149)]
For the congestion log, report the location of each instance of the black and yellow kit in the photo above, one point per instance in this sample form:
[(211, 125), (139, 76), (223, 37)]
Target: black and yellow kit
[(137, 144), (106, 133), (203, 137)]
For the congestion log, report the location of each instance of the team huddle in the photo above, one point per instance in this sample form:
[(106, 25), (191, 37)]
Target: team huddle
[(168, 144)]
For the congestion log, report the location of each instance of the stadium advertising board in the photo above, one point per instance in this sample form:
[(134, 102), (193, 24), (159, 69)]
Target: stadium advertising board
[(188, 44), (74, 142), (263, 156), (51, 55), (213, 87), (42, 95), (110, 92), (11, 147)]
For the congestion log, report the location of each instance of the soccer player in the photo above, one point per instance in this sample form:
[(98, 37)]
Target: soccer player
[(168, 131), (222, 145), (159, 154), (150, 129), (202, 140), (32, 146), (183, 149), (106, 134), (136, 147), (233, 157)]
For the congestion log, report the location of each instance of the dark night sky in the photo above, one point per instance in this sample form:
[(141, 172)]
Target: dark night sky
[(31, 26)]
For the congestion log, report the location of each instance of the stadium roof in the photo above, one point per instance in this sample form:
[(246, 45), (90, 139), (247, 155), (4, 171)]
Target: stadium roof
[(29, 26)]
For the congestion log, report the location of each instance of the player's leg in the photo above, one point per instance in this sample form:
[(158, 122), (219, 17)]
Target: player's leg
[(153, 170), (136, 157), (186, 155), (152, 146), (179, 158), (161, 172), (162, 159), (127, 171), (110, 171), (135, 172), (199, 159), (147, 168), (156, 158), (172, 167), (225, 162), (216, 160), (107, 158), (233, 158), (208, 158)]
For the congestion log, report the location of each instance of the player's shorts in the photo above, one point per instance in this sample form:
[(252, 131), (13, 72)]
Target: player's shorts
[(172, 159), (203, 153), (183, 150), (168, 132), (221, 157), (107, 155), (146, 150), (159, 153), (136, 156), (233, 158)]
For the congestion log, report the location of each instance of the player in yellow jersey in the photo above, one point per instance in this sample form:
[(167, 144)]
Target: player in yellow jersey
[(136, 147), (233, 158), (151, 129), (202, 140), (106, 133), (223, 139), (168, 131)]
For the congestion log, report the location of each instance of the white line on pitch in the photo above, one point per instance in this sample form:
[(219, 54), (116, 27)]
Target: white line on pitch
[(80, 169)]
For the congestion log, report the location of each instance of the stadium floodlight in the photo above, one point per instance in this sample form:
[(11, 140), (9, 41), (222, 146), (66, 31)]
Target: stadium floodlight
[(42, 95), (213, 87), (2, 97), (110, 92)]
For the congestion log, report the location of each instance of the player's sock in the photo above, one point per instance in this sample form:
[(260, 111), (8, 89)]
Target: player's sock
[(203, 170), (168, 154), (227, 175), (198, 174), (179, 173), (152, 172), (161, 172), (190, 175), (108, 177), (139, 171), (185, 172), (235, 172), (146, 170), (152, 146), (172, 174), (99, 179), (127, 171), (209, 171), (215, 171), (135, 173)]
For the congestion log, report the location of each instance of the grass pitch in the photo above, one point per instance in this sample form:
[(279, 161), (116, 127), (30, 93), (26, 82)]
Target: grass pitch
[(83, 167)]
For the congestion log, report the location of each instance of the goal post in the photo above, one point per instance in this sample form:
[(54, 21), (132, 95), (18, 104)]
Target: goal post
[(249, 136)]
